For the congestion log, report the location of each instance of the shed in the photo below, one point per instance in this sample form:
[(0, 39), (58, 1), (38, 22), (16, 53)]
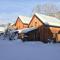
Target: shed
[(35, 34), (22, 32)]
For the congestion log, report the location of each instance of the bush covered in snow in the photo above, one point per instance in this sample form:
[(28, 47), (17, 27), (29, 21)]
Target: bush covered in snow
[(10, 34)]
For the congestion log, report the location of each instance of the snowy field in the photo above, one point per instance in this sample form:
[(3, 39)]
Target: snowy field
[(18, 50)]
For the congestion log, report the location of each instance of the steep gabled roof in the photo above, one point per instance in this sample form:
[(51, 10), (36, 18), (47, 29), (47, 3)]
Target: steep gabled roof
[(25, 19), (48, 20)]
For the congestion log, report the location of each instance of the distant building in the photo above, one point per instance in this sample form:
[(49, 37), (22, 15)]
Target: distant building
[(22, 22), (3, 28)]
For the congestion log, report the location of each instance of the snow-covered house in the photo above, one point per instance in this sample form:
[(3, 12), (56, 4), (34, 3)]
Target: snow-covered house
[(22, 22), (47, 27)]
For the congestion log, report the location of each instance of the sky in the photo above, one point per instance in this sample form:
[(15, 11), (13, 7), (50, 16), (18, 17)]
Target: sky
[(11, 9)]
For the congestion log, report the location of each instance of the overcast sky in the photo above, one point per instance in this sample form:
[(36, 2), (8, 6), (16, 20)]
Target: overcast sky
[(11, 9)]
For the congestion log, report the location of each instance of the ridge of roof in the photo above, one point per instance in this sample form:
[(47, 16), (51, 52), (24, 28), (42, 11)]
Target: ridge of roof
[(48, 20), (25, 19)]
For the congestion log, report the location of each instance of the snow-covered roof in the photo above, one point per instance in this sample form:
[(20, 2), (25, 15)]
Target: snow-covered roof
[(25, 30), (12, 24), (2, 29), (25, 19), (48, 20)]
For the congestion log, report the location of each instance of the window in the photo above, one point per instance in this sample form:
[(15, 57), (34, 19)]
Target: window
[(35, 24)]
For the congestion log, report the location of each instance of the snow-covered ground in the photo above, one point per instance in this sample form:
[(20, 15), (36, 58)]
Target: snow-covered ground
[(18, 50)]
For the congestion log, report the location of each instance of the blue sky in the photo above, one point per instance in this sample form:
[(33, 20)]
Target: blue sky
[(11, 9)]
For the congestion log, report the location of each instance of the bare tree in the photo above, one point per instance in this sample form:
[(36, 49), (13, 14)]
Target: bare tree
[(57, 15), (48, 9)]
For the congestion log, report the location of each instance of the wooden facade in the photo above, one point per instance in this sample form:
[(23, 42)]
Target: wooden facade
[(35, 22), (42, 32), (45, 32), (19, 24)]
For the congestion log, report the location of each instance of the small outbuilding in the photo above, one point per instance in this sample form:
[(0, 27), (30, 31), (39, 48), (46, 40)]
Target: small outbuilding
[(35, 34)]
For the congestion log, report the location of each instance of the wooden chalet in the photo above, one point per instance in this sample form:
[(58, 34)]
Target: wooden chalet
[(48, 28), (22, 22)]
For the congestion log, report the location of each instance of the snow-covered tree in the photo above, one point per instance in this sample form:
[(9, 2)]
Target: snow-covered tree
[(48, 9)]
